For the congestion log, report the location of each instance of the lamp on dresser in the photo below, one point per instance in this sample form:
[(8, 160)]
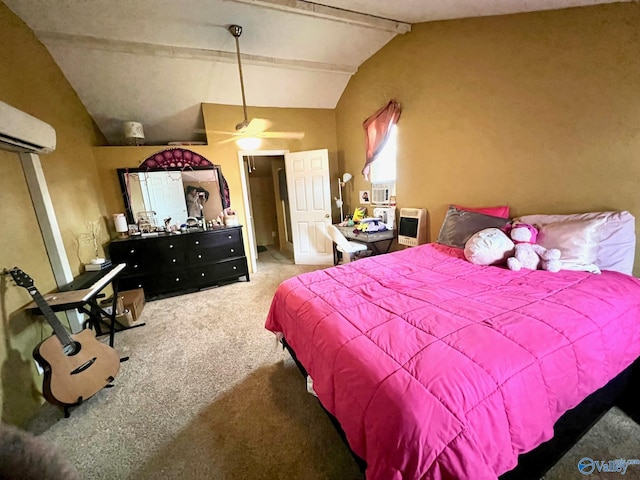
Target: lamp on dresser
[(120, 224)]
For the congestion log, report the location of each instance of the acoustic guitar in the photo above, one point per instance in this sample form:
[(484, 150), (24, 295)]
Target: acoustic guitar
[(75, 366)]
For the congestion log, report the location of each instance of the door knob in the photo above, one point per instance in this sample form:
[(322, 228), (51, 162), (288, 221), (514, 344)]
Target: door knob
[(326, 215)]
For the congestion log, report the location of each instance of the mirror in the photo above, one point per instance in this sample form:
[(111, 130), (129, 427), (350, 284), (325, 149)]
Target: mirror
[(171, 193)]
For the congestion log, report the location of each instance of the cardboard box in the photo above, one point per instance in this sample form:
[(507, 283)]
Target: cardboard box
[(125, 319), (133, 300)]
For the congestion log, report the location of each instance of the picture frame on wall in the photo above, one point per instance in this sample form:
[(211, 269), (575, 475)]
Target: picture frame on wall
[(365, 196)]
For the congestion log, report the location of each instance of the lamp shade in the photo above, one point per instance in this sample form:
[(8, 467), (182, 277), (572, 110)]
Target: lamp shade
[(120, 222), (346, 177), (133, 133)]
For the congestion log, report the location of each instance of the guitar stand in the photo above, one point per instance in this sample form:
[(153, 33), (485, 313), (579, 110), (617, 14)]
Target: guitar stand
[(67, 408), (67, 411)]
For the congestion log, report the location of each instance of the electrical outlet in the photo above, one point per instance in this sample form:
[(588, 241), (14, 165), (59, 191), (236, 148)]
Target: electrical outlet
[(38, 367)]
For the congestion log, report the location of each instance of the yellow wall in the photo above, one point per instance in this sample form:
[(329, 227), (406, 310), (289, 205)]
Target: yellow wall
[(540, 111), (319, 127), (31, 81)]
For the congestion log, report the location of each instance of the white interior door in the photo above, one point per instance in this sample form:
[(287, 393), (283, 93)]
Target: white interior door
[(310, 204), (166, 193)]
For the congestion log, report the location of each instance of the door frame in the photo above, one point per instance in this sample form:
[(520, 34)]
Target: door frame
[(245, 196)]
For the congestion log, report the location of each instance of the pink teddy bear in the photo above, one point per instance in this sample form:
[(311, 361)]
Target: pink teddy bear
[(527, 253)]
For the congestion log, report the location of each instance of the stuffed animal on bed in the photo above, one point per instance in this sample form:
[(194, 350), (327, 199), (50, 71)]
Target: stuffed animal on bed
[(490, 246), (527, 253)]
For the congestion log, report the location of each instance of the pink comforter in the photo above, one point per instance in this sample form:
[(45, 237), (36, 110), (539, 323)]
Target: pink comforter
[(439, 369)]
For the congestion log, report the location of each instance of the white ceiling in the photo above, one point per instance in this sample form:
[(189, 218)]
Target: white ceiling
[(156, 61)]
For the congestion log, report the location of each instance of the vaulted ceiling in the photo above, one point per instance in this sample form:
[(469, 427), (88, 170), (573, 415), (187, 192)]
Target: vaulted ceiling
[(156, 61)]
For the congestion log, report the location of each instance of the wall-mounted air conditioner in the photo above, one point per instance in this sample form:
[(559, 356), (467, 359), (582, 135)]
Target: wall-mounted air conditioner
[(20, 132), (382, 192)]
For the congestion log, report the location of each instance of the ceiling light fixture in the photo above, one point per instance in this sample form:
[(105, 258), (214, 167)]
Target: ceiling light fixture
[(248, 143)]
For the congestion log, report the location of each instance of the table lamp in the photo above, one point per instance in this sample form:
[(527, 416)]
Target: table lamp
[(120, 222)]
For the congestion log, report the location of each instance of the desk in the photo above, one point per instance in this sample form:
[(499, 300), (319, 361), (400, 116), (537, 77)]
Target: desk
[(83, 294), (375, 241)]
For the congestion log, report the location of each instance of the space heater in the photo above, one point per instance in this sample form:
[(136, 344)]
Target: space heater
[(412, 227)]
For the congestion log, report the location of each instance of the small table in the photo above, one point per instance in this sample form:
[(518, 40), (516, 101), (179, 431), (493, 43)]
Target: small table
[(83, 294), (375, 240)]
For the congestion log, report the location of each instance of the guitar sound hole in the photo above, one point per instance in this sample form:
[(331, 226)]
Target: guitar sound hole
[(71, 349)]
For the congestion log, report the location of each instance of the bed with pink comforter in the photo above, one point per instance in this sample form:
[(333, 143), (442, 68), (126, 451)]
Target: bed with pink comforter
[(437, 368)]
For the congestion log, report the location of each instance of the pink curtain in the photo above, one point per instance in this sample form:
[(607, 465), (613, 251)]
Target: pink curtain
[(377, 128)]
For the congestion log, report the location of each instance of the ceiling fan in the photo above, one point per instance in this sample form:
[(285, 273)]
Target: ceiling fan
[(248, 134)]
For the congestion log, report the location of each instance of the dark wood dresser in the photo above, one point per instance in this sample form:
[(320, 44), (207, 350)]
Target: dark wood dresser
[(175, 264)]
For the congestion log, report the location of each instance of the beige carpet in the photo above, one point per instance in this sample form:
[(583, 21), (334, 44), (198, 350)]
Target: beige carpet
[(207, 394)]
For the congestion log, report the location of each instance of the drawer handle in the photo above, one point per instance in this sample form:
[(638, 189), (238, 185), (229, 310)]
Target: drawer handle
[(177, 279), (202, 274), (229, 236), (199, 256), (135, 266), (171, 246), (197, 242), (232, 250), (235, 268), (174, 260), (140, 285), (132, 251)]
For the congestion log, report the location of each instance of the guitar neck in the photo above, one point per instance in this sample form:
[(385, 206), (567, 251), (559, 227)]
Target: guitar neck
[(50, 316)]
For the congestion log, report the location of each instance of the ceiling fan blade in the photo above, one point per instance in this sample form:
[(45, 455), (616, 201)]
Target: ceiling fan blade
[(259, 125), (220, 132), (294, 135), (227, 140)]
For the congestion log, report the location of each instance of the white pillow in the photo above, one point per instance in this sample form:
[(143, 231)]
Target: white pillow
[(617, 244), (577, 241), (488, 246)]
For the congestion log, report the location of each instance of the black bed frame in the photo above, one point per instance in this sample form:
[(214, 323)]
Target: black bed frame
[(623, 391)]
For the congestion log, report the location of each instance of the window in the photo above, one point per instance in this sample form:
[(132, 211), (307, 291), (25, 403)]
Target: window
[(384, 167)]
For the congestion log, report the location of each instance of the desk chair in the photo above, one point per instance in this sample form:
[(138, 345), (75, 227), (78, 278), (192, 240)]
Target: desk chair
[(343, 245)]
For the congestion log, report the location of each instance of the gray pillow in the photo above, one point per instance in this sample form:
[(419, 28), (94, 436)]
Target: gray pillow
[(460, 225)]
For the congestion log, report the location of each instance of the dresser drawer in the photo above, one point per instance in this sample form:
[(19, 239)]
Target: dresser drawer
[(212, 274), (125, 251), (214, 238), (157, 284), (133, 282), (213, 254), (130, 253), (164, 254), (231, 268), (168, 282)]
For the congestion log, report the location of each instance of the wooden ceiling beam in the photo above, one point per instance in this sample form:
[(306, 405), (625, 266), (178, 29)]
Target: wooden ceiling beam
[(303, 7), (158, 50)]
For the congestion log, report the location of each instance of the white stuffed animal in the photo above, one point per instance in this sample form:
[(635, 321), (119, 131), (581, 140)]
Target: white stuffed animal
[(488, 247), (528, 254)]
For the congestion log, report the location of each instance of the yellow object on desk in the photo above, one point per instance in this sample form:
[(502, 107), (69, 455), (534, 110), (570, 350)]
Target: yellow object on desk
[(359, 213)]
